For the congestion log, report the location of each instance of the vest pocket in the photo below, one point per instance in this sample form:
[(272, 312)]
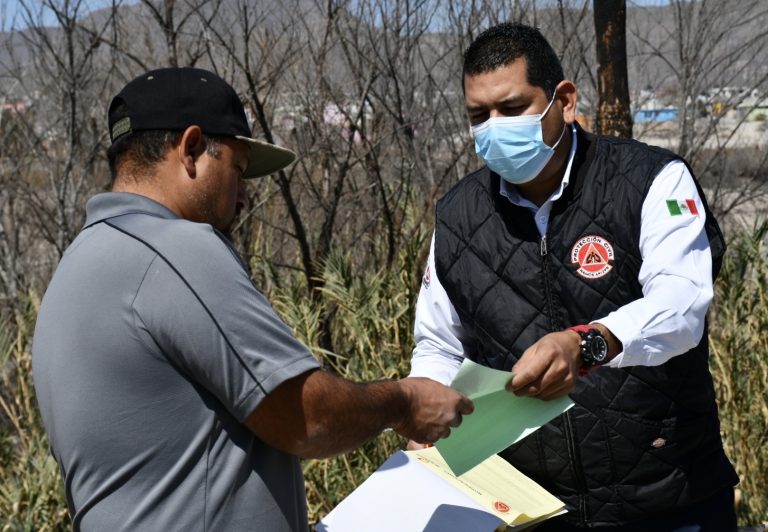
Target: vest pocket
[(645, 451)]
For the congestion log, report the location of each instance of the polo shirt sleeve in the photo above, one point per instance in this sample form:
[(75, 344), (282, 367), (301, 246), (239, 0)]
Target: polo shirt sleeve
[(198, 308)]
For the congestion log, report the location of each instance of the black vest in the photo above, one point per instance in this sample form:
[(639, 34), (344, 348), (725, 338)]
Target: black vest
[(639, 440)]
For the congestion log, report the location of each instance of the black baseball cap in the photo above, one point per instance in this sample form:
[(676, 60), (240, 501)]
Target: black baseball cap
[(176, 98)]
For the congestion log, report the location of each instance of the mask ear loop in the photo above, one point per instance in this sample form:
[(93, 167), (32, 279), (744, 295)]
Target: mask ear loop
[(554, 95), (562, 133)]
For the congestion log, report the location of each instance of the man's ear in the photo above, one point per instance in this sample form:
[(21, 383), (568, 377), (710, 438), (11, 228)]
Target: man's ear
[(191, 146), (567, 95)]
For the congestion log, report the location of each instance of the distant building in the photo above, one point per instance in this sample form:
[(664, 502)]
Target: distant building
[(727, 101), (728, 94), (651, 108), (14, 106), (754, 109), (664, 114)]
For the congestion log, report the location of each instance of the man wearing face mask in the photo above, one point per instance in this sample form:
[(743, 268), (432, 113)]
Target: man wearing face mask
[(584, 265)]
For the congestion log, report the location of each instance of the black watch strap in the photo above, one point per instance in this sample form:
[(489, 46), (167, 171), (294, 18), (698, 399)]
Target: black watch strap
[(593, 345)]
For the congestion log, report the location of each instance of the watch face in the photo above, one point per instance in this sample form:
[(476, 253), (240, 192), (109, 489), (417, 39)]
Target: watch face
[(599, 349), (594, 348)]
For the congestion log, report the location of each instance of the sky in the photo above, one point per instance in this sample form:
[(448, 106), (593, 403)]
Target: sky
[(11, 12)]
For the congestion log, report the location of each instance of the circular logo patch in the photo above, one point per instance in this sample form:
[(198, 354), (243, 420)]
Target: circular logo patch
[(501, 507), (593, 254)]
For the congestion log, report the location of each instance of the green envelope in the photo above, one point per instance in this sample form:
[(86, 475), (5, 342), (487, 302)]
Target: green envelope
[(500, 418)]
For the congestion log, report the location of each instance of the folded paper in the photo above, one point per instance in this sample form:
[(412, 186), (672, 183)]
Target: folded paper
[(500, 418), (416, 491)]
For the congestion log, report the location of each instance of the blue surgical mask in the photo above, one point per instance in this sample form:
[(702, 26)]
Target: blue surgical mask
[(513, 146)]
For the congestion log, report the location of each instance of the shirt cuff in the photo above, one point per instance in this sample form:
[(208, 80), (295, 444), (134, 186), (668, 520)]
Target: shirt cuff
[(438, 368), (628, 333)]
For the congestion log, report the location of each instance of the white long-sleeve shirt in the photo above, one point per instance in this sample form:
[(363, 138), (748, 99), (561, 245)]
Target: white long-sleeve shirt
[(675, 275)]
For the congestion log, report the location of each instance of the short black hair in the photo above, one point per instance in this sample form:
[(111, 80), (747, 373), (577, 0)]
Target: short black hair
[(500, 45), (145, 149)]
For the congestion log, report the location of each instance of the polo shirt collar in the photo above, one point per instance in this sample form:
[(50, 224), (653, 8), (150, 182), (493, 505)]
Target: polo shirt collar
[(110, 204)]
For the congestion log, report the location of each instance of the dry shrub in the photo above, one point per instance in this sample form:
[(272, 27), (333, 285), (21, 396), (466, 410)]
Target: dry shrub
[(739, 362), (31, 490), (371, 328)]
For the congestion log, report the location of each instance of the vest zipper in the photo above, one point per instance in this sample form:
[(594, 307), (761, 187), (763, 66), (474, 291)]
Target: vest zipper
[(547, 288), (578, 473)]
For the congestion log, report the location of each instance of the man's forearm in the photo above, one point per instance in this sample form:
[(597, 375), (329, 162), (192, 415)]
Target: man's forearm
[(341, 414), (318, 414)]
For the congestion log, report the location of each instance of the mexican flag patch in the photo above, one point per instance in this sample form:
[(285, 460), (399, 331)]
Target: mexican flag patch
[(679, 207)]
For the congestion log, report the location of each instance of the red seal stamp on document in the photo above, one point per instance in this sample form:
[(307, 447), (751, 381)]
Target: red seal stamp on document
[(501, 507), (593, 254)]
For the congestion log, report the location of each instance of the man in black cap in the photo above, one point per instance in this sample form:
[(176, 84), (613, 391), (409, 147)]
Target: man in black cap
[(173, 396)]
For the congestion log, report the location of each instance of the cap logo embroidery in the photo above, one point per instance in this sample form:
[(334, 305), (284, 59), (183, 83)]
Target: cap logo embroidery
[(121, 127), (593, 254)]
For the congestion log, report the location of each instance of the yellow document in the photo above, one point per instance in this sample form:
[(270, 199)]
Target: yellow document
[(415, 491), (498, 487)]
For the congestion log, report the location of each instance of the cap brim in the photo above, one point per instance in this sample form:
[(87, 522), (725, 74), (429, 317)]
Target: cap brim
[(265, 158)]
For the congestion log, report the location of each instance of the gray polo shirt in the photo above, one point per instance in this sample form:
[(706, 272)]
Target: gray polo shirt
[(152, 346)]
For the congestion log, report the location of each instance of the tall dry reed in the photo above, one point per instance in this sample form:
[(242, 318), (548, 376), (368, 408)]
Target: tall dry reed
[(739, 362), (31, 492), (372, 334)]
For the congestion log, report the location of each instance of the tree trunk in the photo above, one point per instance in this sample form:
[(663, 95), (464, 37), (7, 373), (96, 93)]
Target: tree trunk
[(613, 113)]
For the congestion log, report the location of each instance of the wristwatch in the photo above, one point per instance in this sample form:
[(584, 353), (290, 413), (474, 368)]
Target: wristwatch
[(594, 348)]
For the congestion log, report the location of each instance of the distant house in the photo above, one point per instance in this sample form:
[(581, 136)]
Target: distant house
[(652, 109), (754, 109), (14, 106), (665, 114)]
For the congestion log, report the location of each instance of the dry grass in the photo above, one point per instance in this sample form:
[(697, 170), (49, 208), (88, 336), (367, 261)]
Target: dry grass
[(739, 362), (31, 492), (372, 337)]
